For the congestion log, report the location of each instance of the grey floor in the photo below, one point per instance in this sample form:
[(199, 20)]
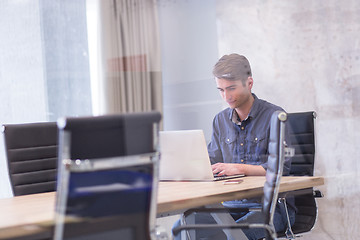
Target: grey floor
[(167, 222)]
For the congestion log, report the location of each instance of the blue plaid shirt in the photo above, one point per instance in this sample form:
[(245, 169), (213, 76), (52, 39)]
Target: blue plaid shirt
[(245, 141)]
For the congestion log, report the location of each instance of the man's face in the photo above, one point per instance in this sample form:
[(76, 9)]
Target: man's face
[(234, 92)]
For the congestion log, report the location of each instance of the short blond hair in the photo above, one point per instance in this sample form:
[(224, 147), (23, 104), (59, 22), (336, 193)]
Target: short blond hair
[(233, 67)]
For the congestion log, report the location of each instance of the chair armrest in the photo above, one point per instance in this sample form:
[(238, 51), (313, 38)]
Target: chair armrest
[(270, 230), (316, 193), (220, 210)]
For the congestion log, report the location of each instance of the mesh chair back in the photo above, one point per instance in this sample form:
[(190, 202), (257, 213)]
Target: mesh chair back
[(31, 151), (108, 177)]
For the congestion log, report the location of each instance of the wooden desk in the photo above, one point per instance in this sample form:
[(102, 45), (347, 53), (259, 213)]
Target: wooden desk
[(175, 196), (26, 212)]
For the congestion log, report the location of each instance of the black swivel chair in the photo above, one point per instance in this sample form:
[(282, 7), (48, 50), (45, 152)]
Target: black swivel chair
[(302, 137), (108, 177), (271, 187), (31, 151)]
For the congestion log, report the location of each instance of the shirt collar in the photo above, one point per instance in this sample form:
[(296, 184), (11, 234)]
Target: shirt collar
[(255, 108), (253, 111), (234, 117)]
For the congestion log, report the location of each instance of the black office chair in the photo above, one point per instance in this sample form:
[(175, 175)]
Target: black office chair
[(31, 151), (108, 177), (302, 138), (271, 188)]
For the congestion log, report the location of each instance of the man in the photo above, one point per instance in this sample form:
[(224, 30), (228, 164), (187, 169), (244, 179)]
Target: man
[(239, 142)]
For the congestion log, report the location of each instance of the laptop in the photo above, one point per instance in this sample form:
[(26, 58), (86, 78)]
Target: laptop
[(184, 157)]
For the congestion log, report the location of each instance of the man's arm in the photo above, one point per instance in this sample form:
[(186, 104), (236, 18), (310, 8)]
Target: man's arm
[(238, 168), (214, 149)]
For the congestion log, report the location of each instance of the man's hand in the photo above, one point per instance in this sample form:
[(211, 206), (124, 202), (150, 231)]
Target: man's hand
[(237, 168), (227, 169)]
